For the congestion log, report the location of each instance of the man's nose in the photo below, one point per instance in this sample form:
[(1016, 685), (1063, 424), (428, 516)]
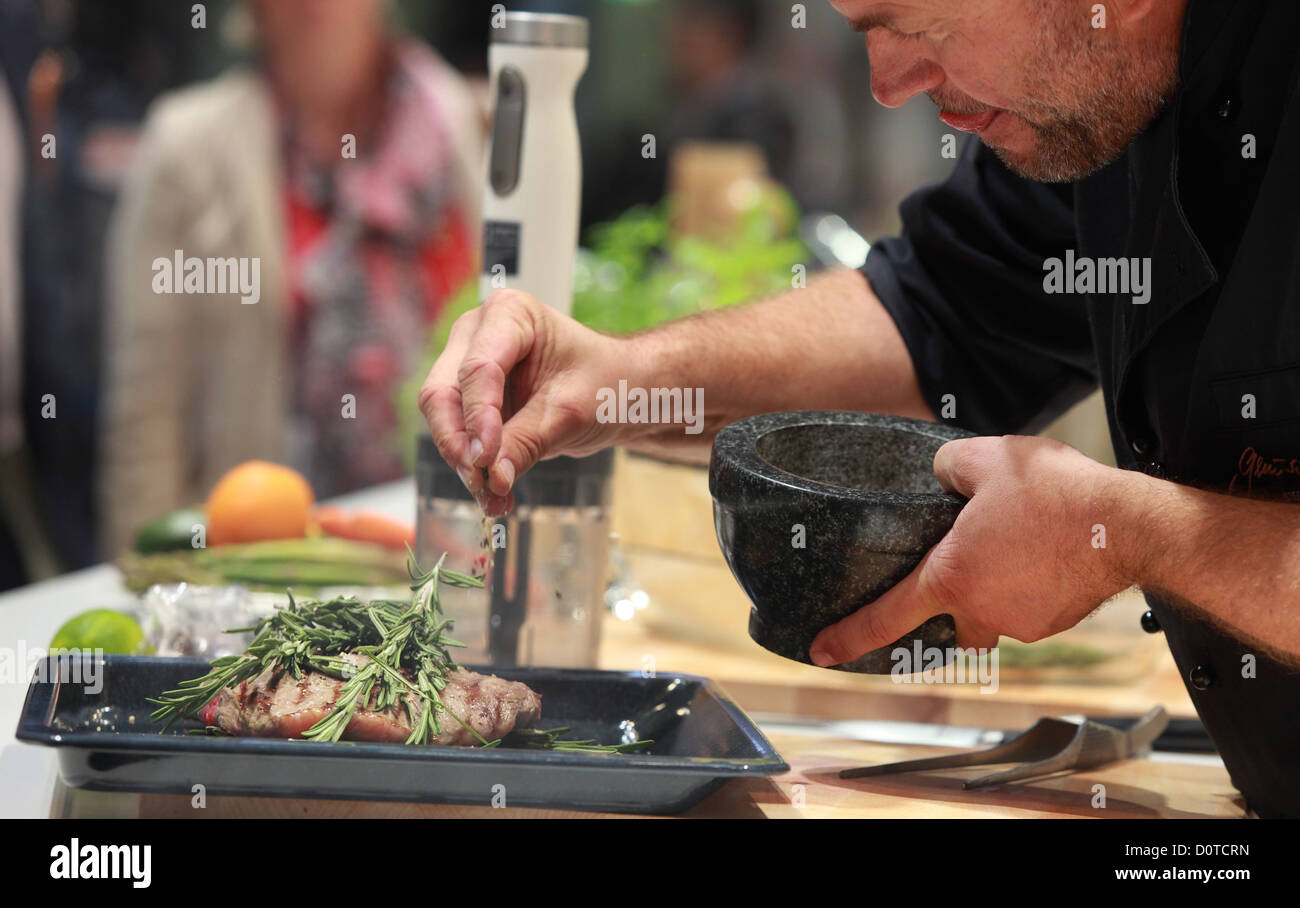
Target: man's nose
[(898, 71)]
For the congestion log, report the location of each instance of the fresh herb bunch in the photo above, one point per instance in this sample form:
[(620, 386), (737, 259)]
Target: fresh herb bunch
[(313, 636), (409, 659)]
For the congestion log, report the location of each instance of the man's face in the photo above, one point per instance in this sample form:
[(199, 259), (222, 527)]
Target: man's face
[(1054, 96)]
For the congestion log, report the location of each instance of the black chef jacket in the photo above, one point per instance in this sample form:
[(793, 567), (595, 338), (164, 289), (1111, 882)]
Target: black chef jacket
[(1202, 383)]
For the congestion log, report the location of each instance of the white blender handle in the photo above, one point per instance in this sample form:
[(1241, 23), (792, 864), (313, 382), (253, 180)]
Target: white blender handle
[(533, 181)]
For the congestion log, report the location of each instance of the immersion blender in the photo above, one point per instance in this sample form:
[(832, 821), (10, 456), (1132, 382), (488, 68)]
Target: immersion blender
[(530, 240), (534, 169)]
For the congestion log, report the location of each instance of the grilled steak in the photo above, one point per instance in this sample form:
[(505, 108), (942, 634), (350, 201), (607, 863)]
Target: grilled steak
[(281, 706)]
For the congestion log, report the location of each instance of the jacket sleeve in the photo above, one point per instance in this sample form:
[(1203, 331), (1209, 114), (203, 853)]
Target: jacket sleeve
[(964, 283), (143, 444)]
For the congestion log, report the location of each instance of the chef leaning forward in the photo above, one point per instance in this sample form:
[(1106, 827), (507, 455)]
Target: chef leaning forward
[(1155, 146)]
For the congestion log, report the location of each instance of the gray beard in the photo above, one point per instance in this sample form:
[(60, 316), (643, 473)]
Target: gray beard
[(1078, 138), (1076, 147)]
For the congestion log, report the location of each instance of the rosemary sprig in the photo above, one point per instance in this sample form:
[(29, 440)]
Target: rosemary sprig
[(313, 636), (407, 645), (549, 739)]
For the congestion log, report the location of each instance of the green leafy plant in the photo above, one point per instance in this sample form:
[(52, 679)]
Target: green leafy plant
[(638, 273)]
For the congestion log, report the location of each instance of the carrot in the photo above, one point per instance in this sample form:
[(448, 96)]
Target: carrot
[(365, 526)]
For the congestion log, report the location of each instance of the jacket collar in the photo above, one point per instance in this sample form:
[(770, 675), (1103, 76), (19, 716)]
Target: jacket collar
[(1215, 33)]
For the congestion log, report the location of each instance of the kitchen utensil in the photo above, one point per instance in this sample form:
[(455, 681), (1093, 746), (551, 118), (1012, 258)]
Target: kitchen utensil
[(818, 513), (534, 169), (1181, 736), (1048, 747)]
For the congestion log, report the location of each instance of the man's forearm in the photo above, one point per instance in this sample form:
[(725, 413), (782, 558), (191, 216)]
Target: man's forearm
[(829, 346), (1234, 561)]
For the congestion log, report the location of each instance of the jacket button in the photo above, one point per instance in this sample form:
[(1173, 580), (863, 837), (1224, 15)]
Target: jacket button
[(1225, 107), (1141, 445), (1149, 622), (1202, 677)]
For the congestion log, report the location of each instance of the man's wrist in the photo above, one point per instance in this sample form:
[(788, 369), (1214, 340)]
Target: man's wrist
[(1131, 497), (647, 360)]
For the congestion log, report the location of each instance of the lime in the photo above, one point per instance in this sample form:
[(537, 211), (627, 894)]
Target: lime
[(100, 628)]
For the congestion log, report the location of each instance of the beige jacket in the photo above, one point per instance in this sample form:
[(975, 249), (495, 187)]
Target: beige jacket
[(197, 383)]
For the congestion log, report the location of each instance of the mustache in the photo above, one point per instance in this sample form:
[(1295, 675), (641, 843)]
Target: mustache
[(963, 106)]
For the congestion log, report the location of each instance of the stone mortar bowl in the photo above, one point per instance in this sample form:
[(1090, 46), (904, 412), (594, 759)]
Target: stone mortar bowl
[(862, 487)]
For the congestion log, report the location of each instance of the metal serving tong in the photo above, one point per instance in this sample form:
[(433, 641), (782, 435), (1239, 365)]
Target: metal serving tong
[(1048, 747)]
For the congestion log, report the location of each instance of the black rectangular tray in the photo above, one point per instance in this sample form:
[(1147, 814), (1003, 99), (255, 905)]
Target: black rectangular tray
[(107, 742)]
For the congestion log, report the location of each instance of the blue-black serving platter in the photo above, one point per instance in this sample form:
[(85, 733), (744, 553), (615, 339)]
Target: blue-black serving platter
[(107, 742)]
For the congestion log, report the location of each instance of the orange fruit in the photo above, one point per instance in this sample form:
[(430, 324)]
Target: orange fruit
[(258, 500)]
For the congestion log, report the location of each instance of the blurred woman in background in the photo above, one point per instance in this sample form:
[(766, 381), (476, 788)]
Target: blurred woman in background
[(356, 257)]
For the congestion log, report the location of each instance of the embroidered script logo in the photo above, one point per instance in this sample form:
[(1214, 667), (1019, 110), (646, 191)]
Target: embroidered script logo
[(1252, 465)]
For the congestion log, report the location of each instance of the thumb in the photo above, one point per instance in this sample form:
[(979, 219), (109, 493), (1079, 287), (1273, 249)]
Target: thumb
[(901, 609), (956, 465), (530, 435)]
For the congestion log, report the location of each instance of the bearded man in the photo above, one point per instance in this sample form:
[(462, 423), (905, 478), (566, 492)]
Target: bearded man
[(1154, 141)]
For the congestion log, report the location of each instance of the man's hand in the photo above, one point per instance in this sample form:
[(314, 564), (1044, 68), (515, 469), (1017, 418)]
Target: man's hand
[(517, 383), (521, 380), (1026, 557)]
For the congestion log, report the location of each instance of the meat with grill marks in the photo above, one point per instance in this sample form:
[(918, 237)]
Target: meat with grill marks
[(277, 705)]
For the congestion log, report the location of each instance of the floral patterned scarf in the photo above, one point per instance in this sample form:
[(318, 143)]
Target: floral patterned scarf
[(377, 245)]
